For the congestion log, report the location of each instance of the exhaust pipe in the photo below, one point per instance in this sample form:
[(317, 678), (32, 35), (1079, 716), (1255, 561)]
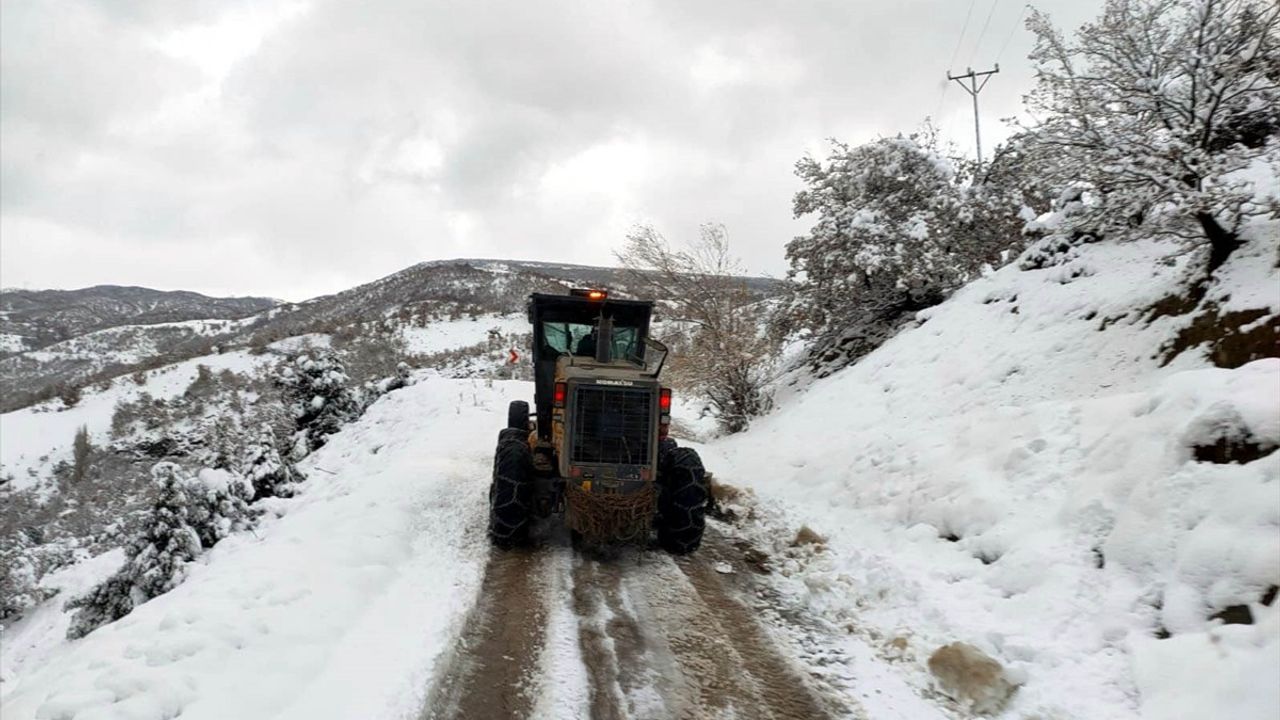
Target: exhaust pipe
[(604, 339)]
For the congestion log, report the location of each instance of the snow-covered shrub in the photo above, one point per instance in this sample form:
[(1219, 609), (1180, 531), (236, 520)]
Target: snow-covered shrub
[(320, 398), (1057, 234), (1156, 105), (26, 556), (1221, 435), (19, 578), (270, 474), (220, 505), (203, 385), (188, 516), (373, 389), (69, 394), (898, 229)]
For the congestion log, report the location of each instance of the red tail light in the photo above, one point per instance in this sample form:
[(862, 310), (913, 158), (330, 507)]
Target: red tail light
[(561, 392), (664, 400)]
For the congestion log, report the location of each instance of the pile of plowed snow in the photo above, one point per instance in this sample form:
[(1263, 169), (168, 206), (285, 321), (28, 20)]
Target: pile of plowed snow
[(1020, 473), (338, 607)]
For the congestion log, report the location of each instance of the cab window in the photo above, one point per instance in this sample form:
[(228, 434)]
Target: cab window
[(561, 338), (580, 339)]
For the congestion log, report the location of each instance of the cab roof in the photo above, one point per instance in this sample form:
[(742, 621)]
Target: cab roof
[(546, 307)]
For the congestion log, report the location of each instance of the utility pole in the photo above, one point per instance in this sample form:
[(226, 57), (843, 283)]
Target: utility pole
[(973, 88)]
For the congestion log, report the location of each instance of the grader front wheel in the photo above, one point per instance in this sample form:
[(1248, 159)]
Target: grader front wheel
[(518, 415), (511, 492)]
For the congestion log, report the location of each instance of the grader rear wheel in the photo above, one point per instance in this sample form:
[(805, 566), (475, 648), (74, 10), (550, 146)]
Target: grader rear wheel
[(682, 501)]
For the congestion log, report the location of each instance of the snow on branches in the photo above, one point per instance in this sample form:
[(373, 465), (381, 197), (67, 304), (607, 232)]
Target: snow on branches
[(320, 397), (1154, 106), (898, 229), (269, 474), (188, 516)]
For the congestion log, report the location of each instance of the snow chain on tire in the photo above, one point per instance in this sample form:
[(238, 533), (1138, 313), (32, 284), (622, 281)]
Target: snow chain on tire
[(511, 493), (601, 517), (682, 501)]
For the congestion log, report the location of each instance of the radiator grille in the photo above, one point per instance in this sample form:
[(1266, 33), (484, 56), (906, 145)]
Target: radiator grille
[(611, 425)]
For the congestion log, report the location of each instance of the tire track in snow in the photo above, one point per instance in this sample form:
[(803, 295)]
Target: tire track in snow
[(563, 685), (493, 671), (725, 663), (638, 635), (615, 646), (668, 637)]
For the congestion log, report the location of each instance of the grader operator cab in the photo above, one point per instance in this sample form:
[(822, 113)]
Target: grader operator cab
[(596, 448)]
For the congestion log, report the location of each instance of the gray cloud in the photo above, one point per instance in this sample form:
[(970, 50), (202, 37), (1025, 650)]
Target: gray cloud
[(291, 149)]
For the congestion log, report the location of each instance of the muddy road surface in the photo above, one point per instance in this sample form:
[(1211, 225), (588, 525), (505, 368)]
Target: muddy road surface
[(627, 635)]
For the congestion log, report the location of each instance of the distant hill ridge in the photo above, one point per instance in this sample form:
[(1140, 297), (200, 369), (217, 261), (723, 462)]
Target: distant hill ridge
[(98, 333), (45, 317)]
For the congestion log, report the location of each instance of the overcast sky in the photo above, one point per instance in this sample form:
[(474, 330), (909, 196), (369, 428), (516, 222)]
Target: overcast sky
[(296, 148)]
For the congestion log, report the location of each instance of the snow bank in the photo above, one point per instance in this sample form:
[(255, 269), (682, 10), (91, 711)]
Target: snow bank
[(1020, 473), (336, 609)]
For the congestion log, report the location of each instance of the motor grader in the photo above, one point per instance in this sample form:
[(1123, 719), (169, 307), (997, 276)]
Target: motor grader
[(596, 448)]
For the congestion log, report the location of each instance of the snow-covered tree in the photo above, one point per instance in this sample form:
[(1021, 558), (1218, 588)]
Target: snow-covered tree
[(188, 516), (222, 439), (81, 454), (320, 397), (203, 384), (898, 229), (220, 505), (19, 578), (1154, 106), (723, 352), (269, 473)]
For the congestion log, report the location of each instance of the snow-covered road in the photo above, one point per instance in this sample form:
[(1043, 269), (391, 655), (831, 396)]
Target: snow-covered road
[(375, 594), (559, 633)]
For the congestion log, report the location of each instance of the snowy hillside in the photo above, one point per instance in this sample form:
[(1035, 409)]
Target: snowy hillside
[(339, 607), (1031, 472), (1001, 442)]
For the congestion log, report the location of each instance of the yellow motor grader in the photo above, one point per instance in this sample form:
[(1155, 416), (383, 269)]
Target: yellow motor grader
[(596, 448)]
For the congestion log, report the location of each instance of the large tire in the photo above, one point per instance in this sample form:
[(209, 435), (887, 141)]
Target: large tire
[(518, 415), (682, 501), (511, 493), (665, 446)]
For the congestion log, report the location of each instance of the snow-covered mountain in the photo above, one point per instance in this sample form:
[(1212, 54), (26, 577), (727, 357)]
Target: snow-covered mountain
[(33, 319)]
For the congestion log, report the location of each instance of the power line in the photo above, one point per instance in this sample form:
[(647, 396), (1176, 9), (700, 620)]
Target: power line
[(983, 34), (963, 29), (1012, 30), (954, 53)]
